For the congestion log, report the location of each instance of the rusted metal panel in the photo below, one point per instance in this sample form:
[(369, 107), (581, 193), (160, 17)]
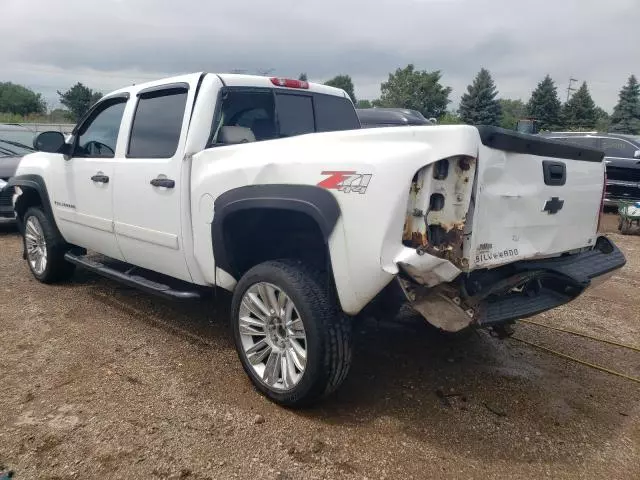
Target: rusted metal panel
[(441, 232)]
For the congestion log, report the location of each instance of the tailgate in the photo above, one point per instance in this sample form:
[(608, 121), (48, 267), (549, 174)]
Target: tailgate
[(533, 198)]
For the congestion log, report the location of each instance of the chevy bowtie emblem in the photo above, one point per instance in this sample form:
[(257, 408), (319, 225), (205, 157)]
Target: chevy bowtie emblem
[(553, 206)]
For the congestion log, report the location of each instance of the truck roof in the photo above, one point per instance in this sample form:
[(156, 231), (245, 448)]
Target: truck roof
[(238, 80)]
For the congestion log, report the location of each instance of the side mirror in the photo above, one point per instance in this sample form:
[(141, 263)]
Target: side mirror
[(51, 142), (636, 154)]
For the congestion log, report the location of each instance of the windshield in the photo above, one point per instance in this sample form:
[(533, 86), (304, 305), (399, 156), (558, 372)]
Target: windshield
[(14, 149)]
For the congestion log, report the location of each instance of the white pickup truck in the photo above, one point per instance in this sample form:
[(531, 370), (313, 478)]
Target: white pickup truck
[(201, 181)]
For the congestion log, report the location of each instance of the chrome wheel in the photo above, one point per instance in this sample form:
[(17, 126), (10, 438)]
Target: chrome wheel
[(36, 245), (272, 336)]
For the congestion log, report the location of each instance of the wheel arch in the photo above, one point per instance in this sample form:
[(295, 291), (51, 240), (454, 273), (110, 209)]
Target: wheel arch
[(301, 201)]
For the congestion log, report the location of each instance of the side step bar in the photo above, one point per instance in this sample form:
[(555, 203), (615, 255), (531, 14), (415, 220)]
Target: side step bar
[(136, 281)]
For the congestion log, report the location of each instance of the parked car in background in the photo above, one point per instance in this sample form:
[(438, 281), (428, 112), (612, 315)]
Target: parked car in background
[(391, 117), (11, 152), (622, 159), (16, 140)]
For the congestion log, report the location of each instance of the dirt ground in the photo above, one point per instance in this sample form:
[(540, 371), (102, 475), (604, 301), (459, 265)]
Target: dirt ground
[(102, 381)]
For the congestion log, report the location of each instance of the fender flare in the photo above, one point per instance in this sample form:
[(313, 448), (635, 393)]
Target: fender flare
[(311, 200), (35, 182)]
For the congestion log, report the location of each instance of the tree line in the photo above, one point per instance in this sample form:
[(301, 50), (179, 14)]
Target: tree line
[(17, 101), (419, 90), (422, 91)]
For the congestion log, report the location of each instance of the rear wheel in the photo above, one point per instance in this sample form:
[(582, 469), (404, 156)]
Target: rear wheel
[(45, 248), (291, 338)]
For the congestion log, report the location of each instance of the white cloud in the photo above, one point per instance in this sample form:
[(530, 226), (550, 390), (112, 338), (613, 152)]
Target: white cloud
[(109, 43)]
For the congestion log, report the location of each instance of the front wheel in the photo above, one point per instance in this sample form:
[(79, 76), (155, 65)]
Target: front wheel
[(291, 338), (45, 248)]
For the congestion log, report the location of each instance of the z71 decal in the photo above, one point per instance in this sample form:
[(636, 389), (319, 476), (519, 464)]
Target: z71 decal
[(346, 181)]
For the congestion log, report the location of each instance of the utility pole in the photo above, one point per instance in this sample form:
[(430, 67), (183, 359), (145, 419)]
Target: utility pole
[(570, 88)]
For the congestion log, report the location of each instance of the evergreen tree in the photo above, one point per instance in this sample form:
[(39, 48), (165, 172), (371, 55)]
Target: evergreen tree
[(544, 104), (626, 114), (303, 77), (580, 113), (479, 105)]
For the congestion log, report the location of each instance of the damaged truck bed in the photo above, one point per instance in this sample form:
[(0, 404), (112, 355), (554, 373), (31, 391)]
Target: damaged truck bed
[(506, 238)]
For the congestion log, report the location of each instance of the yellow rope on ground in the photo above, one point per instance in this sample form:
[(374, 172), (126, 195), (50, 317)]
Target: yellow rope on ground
[(573, 332), (577, 360)]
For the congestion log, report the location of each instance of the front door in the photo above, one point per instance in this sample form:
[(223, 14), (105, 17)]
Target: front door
[(83, 185), (151, 191)]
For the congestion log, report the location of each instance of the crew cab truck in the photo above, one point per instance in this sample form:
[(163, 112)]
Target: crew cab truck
[(268, 188)]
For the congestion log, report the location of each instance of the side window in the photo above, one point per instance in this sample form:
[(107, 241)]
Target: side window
[(157, 124), (334, 113), (246, 115), (98, 136), (295, 114), (615, 147)]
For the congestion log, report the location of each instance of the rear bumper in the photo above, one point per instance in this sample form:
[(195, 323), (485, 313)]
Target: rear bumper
[(552, 282)]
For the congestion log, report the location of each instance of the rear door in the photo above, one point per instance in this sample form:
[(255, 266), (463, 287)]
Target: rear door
[(152, 186), (533, 199)]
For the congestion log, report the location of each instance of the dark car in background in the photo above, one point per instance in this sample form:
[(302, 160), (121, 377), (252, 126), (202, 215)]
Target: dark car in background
[(622, 158), (391, 117), (15, 142)]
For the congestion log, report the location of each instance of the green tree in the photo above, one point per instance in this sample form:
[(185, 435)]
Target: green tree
[(479, 105), (626, 114), (345, 83), (580, 113), (78, 99), (20, 100), (416, 90), (303, 77), (450, 118), (603, 120), (364, 104), (544, 105), (511, 112)]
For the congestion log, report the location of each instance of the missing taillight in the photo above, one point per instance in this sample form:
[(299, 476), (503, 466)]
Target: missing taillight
[(436, 202), (441, 169)]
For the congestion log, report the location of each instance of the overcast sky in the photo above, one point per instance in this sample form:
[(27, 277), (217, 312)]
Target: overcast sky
[(107, 44)]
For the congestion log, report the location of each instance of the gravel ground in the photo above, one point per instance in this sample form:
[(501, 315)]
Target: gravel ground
[(101, 381)]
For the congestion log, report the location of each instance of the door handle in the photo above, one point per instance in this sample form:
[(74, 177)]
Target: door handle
[(100, 178), (555, 173), (163, 182)]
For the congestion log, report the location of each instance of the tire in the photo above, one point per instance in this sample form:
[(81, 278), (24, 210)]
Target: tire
[(626, 226), (314, 315), (41, 239)]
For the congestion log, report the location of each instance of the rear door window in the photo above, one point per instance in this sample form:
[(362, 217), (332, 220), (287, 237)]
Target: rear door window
[(295, 114), (157, 124)]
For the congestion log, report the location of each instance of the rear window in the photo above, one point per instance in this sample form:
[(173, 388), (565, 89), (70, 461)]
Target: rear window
[(264, 114), (295, 114), (334, 113)]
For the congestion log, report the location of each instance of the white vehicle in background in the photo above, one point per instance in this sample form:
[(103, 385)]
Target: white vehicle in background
[(267, 187)]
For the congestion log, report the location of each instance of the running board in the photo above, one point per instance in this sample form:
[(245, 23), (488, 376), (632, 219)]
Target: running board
[(131, 280)]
